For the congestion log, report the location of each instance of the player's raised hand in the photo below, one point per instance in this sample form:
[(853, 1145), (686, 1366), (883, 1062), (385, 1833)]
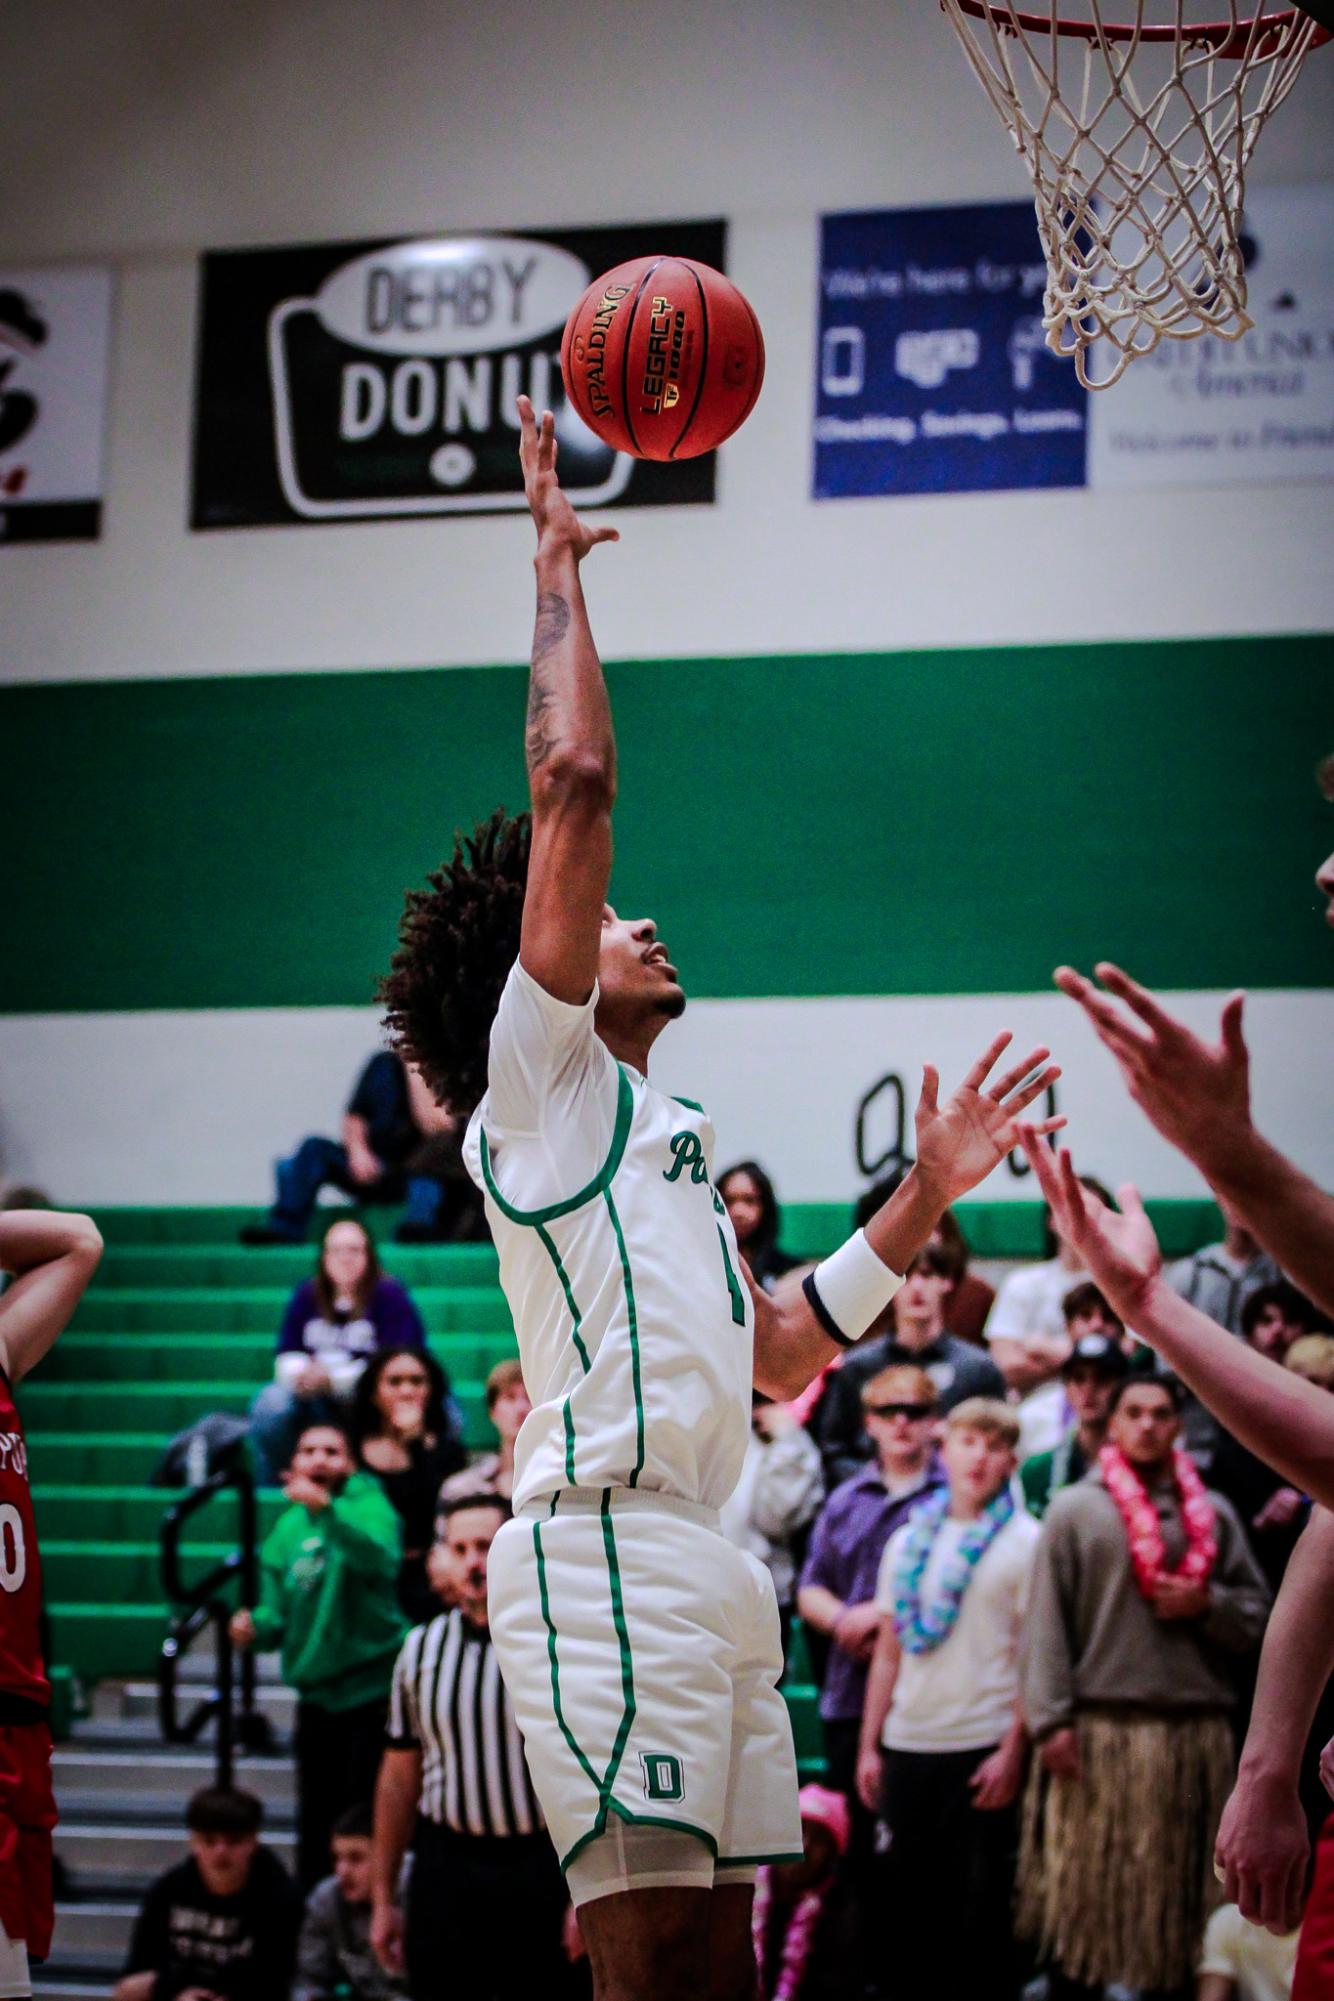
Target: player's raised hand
[(1198, 1094), (556, 522), (1119, 1248), (959, 1142)]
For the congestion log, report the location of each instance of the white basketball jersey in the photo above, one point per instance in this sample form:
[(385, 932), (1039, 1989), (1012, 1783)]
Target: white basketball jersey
[(618, 1260)]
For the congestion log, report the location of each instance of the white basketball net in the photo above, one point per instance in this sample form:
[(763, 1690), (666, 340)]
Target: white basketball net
[(1137, 149)]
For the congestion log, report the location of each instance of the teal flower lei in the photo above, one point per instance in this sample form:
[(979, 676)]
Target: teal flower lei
[(919, 1627)]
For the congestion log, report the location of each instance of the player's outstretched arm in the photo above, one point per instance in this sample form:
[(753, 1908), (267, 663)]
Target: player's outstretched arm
[(1198, 1095), (958, 1144), (1263, 1846), (52, 1256), (1286, 1421), (571, 749)]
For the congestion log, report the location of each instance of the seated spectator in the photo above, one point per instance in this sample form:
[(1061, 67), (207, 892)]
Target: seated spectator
[(406, 1433), (971, 1301), (1096, 1364), (389, 1117), (911, 1329), (836, 1596), (1030, 1305), (943, 1747), (334, 1323), (780, 1488), (1244, 1962), (1220, 1278), (223, 1922), (748, 1195), (328, 1596), (796, 1911), (334, 1958), (1272, 1511), (1044, 1409), (507, 1405)]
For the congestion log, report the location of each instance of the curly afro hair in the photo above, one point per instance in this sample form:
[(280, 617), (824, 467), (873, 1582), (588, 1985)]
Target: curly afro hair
[(457, 941)]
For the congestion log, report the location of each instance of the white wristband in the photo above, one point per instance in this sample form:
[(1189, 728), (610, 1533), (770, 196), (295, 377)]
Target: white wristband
[(850, 1290)]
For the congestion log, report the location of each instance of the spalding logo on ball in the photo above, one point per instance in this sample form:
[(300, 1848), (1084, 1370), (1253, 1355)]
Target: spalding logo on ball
[(663, 358)]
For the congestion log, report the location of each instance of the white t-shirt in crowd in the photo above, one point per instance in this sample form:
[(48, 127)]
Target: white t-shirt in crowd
[(1029, 1302), (961, 1695), (1261, 1965), (1044, 1417)]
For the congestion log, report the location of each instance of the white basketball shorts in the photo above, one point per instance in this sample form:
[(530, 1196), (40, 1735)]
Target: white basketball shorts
[(642, 1655)]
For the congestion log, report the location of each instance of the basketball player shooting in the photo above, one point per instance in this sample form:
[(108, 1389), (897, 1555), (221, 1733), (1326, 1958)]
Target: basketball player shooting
[(640, 1649)]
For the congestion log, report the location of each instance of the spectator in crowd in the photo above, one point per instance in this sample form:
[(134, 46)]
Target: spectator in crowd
[(1312, 1358), (972, 1298), (1030, 1306), (836, 1596), (389, 1118), (1272, 1511), (333, 1324), (1220, 1278), (912, 1330), (797, 1908), (748, 1195), (1145, 1596), (407, 1432), (334, 1957), (223, 1923), (1243, 1962), (507, 1405), (329, 1598), (776, 1497), (1097, 1364), (943, 1747), (485, 1898)]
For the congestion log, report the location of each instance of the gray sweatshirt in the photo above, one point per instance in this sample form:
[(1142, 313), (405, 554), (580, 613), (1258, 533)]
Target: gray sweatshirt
[(335, 1951), (1091, 1638)]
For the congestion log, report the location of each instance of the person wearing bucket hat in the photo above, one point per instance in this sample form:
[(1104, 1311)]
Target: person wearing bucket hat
[(1095, 1365), (795, 1915)]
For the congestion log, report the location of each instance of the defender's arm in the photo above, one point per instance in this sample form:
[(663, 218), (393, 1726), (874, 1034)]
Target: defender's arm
[(53, 1256), (571, 750)]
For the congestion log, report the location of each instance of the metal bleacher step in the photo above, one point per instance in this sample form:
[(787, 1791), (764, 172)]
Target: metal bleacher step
[(276, 1703), (121, 1858), (138, 1784), (258, 1309)]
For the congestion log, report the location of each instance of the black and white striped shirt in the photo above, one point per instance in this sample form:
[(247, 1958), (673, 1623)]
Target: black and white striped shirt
[(449, 1702)]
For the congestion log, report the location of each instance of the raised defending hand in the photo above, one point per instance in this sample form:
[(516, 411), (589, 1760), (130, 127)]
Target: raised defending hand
[(959, 1142), (1120, 1250), (1198, 1094), (556, 521)]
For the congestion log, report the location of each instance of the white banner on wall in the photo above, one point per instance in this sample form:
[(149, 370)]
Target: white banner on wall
[(55, 332)]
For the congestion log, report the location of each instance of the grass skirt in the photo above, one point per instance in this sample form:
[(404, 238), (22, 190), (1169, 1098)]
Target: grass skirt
[(1116, 1878)]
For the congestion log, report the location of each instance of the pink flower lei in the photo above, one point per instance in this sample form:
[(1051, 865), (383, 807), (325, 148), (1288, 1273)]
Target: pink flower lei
[(1143, 1529)]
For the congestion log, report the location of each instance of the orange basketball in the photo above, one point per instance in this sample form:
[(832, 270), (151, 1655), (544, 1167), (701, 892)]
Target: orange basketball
[(663, 358)]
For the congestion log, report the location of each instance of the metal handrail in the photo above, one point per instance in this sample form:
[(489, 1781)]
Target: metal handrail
[(202, 1603)]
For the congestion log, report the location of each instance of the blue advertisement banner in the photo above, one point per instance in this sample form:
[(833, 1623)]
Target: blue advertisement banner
[(934, 375)]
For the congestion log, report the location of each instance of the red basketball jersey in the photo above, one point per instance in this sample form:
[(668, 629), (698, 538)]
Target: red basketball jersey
[(21, 1668)]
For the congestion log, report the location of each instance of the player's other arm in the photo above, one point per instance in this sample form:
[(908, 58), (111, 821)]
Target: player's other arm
[(958, 1144), (570, 745), (52, 1256)]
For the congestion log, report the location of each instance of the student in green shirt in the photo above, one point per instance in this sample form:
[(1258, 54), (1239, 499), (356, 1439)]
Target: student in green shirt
[(328, 1596)]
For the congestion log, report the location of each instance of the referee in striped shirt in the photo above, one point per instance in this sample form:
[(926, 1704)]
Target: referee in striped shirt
[(485, 1901)]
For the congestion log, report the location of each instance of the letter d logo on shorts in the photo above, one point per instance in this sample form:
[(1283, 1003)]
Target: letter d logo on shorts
[(662, 1776)]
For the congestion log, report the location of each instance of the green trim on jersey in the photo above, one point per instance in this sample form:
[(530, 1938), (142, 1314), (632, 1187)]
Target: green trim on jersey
[(623, 1813), (603, 1786), (576, 1319), (625, 1105), (691, 1105), (632, 1322)]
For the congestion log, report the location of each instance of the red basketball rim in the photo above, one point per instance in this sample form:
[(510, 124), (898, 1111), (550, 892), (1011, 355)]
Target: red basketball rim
[(1226, 38)]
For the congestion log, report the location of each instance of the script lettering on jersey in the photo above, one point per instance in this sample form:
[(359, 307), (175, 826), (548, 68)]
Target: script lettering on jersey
[(13, 1454), (687, 1152)]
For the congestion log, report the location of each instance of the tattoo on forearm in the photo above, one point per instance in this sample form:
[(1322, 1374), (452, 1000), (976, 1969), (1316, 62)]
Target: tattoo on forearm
[(553, 619)]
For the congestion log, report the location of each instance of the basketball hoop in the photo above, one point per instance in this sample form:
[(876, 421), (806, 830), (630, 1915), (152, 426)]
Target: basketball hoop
[(1137, 135)]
